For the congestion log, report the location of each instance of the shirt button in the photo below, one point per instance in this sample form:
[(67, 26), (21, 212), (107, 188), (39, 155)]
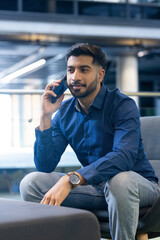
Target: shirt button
[(87, 135)]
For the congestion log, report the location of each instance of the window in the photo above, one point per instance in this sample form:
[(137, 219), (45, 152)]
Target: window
[(8, 5)]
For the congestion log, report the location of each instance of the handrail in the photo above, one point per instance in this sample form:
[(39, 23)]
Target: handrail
[(143, 94), (22, 91), (41, 91)]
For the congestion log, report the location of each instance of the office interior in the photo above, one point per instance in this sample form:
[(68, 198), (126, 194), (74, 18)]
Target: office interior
[(34, 38)]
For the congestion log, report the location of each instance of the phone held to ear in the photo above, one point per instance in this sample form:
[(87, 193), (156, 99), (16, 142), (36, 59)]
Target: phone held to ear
[(60, 89)]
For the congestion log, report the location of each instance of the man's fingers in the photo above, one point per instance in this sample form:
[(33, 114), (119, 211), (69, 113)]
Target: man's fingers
[(49, 200), (48, 93), (42, 201), (51, 85), (45, 200), (57, 204), (52, 201), (60, 99)]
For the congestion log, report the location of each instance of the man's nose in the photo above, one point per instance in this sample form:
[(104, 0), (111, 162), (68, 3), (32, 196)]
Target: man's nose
[(76, 75)]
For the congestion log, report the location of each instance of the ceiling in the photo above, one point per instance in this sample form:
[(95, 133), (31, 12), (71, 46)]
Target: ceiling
[(16, 55), (18, 51)]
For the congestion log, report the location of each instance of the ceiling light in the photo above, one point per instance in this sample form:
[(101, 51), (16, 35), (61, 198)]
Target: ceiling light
[(142, 53), (24, 70)]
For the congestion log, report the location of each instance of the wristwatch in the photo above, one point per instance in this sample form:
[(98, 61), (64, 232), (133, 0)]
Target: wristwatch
[(74, 179)]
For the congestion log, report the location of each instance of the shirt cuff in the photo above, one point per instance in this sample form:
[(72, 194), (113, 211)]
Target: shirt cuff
[(90, 174)]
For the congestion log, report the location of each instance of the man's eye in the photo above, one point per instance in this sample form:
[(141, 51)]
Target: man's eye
[(70, 70), (84, 70)]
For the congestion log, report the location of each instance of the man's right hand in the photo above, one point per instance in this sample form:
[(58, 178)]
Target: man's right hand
[(48, 108)]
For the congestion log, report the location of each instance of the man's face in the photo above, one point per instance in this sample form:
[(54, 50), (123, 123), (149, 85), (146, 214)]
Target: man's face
[(83, 77)]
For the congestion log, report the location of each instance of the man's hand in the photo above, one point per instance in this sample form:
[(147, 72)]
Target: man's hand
[(48, 108), (58, 193)]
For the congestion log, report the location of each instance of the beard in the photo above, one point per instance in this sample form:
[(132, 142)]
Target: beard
[(91, 88)]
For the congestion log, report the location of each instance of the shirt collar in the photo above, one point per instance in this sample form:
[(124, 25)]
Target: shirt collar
[(98, 101), (77, 106)]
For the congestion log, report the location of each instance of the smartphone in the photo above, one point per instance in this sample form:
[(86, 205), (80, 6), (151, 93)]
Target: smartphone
[(60, 89)]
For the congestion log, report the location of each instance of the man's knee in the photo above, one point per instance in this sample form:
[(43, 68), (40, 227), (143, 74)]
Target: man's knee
[(122, 179), (26, 185), (34, 185), (122, 185)]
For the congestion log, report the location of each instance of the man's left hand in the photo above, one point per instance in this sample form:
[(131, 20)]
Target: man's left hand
[(58, 193)]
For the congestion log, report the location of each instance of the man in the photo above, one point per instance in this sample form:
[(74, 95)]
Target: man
[(103, 128)]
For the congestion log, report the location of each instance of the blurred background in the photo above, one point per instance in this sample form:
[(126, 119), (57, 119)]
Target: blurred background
[(34, 38)]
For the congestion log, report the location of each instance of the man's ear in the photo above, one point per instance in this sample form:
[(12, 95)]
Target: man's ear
[(101, 75)]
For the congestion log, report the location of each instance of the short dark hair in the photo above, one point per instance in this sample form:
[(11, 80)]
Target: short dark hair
[(99, 57)]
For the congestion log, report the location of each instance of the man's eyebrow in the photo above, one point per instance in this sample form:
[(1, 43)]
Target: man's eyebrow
[(84, 66), (81, 66), (70, 66)]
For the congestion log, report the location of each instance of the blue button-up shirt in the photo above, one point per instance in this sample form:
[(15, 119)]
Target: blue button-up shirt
[(106, 141)]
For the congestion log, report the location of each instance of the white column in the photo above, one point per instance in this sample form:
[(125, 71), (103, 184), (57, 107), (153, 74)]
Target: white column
[(127, 74)]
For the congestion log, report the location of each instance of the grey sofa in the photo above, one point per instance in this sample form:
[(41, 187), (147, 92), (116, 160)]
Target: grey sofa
[(149, 219)]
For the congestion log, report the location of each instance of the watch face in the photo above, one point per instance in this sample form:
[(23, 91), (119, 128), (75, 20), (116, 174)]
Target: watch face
[(74, 179)]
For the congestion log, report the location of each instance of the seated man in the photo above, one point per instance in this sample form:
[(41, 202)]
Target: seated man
[(103, 128)]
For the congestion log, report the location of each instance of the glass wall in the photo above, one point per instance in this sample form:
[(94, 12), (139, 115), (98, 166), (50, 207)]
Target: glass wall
[(134, 9), (21, 115)]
